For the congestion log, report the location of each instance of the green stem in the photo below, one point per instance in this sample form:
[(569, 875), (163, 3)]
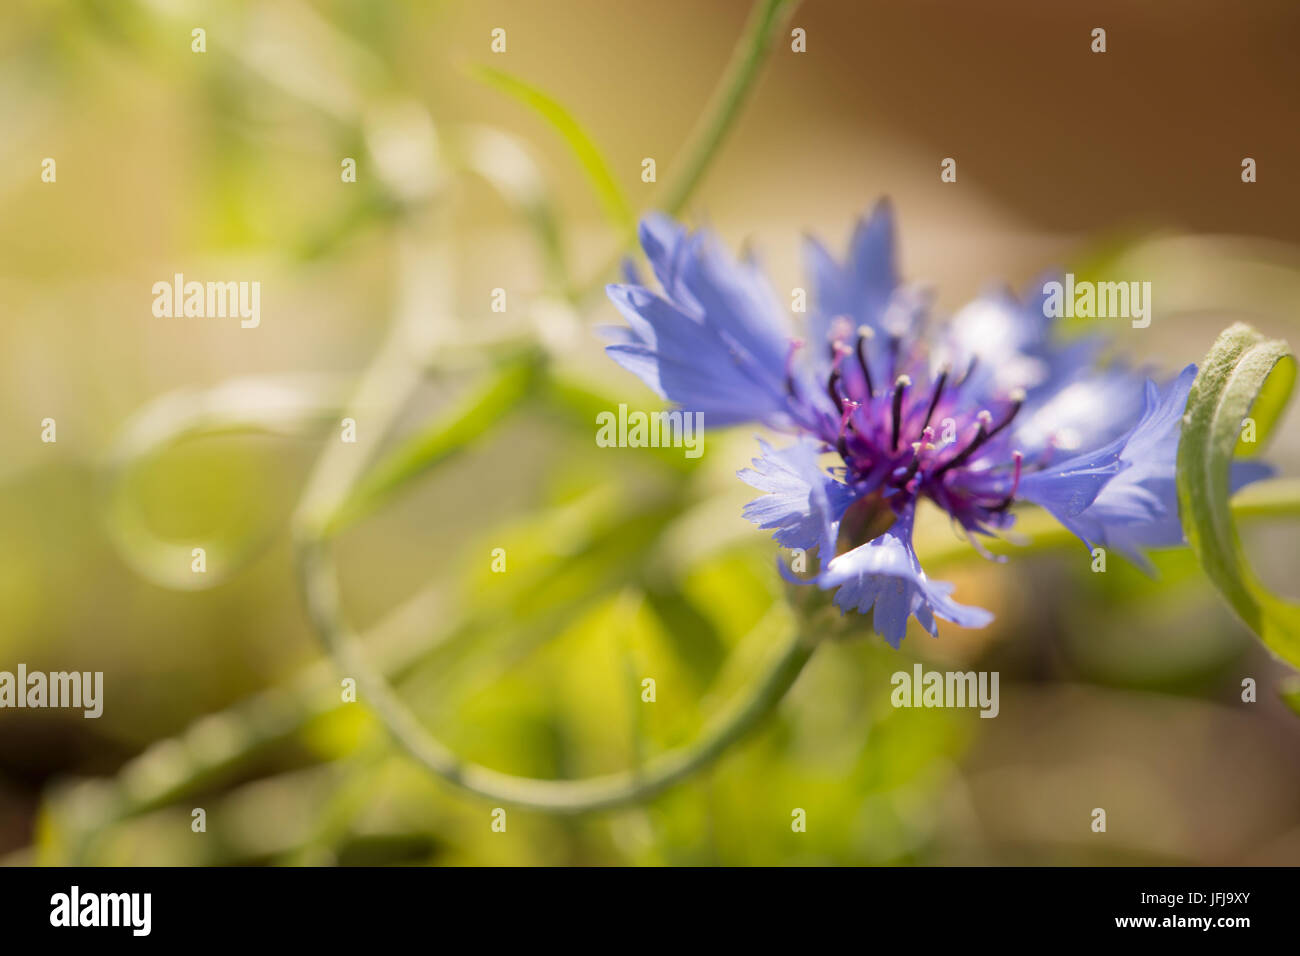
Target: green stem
[(385, 385), (383, 390), (724, 107), (720, 114), (172, 768), (320, 590)]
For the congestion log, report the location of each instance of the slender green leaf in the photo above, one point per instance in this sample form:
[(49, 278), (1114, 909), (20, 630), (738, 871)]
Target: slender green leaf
[(445, 436), (503, 161), (588, 155), (1243, 375)]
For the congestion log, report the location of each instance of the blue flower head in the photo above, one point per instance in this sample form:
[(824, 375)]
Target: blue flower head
[(974, 415)]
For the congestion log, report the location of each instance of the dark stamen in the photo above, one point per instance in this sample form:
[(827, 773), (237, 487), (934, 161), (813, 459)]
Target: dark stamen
[(862, 359), (899, 386), (894, 343), (838, 351), (847, 408), (934, 400), (1018, 399), (902, 480), (982, 436)]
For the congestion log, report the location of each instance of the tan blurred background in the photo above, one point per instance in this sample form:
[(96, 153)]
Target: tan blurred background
[(1120, 693)]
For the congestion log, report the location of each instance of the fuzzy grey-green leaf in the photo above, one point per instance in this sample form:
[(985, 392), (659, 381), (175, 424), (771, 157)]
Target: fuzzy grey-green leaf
[(1243, 375)]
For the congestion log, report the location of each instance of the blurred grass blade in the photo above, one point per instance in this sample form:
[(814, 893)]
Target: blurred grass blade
[(447, 435), (588, 155), (693, 637), (1244, 374), (577, 403), (502, 161), (294, 406)]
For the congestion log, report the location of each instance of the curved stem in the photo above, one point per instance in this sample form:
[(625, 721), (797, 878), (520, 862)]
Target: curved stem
[(175, 766), (387, 384), (320, 585), (294, 406), (384, 390)]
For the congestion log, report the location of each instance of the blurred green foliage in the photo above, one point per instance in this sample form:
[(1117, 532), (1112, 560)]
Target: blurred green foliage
[(622, 564)]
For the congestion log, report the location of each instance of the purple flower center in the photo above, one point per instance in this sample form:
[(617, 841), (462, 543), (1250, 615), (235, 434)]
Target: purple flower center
[(904, 432)]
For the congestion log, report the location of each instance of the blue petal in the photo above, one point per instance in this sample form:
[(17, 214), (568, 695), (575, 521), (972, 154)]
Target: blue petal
[(1079, 410), (1002, 334), (1244, 472), (873, 251), (862, 288), (803, 503), (1069, 487), (737, 299), (1127, 483), (702, 280), (617, 334), (717, 342), (1138, 508), (692, 363), (884, 576), (1069, 402), (662, 241)]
